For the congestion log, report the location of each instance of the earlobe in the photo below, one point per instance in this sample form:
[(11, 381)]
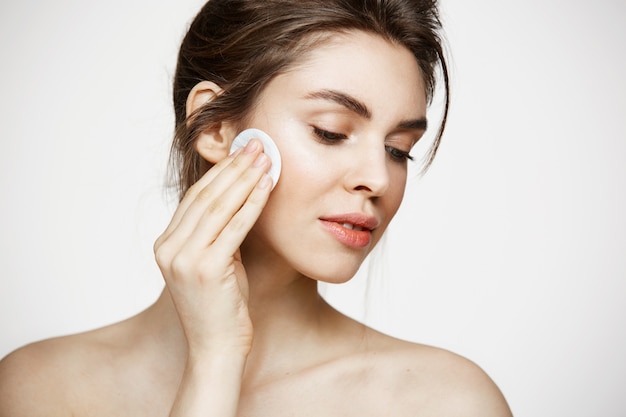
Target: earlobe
[(213, 144)]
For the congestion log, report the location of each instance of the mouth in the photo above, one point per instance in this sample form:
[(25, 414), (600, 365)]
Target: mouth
[(353, 227), (352, 230)]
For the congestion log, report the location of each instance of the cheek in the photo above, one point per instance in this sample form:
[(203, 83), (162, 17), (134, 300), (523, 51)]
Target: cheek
[(300, 182), (306, 167), (395, 193)]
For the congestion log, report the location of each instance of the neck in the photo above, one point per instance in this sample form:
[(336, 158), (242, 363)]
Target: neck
[(291, 322), (284, 305)]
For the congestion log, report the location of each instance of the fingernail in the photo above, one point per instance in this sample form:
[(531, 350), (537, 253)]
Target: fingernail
[(266, 181), (252, 146), (260, 160)]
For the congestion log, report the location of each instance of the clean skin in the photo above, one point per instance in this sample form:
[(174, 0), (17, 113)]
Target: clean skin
[(240, 329)]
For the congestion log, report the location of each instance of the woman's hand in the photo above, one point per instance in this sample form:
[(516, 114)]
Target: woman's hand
[(199, 257)]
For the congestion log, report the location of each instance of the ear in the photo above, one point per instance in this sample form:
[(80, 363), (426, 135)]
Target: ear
[(214, 142)]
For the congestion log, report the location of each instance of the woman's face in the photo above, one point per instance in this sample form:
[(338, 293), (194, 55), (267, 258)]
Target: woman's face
[(344, 121)]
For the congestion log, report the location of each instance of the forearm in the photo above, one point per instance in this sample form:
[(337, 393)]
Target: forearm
[(210, 387)]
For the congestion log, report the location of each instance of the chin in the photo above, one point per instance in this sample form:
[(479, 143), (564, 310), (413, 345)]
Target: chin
[(332, 272)]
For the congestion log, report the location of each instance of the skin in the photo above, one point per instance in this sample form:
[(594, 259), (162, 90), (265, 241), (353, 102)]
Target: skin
[(240, 329)]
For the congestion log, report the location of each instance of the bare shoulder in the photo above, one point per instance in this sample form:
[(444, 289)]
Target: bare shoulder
[(40, 371), (50, 377), (438, 382)]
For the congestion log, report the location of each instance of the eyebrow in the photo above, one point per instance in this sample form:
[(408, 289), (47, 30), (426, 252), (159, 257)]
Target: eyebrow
[(342, 99), (358, 107), (418, 124)]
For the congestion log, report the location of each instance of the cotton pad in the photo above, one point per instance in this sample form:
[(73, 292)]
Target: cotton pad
[(269, 148)]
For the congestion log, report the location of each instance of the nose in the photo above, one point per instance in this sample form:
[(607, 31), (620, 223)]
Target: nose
[(368, 171)]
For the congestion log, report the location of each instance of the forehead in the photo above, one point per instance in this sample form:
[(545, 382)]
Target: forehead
[(383, 74)]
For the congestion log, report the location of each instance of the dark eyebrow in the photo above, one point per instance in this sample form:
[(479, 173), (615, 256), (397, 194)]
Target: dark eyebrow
[(418, 124), (342, 99), (358, 107)]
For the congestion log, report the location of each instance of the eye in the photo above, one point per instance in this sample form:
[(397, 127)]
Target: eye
[(398, 155), (326, 136)]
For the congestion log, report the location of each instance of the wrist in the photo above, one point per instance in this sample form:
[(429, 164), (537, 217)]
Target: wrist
[(216, 357)]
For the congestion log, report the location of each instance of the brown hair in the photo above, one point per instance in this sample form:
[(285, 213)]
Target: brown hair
[(241, 45)]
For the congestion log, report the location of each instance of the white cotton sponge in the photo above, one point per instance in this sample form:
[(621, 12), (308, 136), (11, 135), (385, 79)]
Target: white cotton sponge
[(269, 148)]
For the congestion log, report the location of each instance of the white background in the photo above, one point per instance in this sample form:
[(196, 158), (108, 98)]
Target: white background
[(510, 251)]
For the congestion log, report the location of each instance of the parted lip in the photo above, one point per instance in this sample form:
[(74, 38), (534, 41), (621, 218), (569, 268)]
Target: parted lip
[(356, 219)]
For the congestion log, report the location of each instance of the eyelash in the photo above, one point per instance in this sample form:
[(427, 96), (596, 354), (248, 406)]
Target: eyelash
[(398, 155), (332, 138), (326, 136)]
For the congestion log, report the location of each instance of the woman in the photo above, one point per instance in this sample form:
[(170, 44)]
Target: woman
[(342, 86)]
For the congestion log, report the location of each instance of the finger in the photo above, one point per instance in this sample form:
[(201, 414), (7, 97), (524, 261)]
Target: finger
[(196, 188), (222, 209), (217, 202), (234, 233)]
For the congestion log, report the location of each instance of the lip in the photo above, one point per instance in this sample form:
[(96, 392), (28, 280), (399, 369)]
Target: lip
[(357, 235)]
